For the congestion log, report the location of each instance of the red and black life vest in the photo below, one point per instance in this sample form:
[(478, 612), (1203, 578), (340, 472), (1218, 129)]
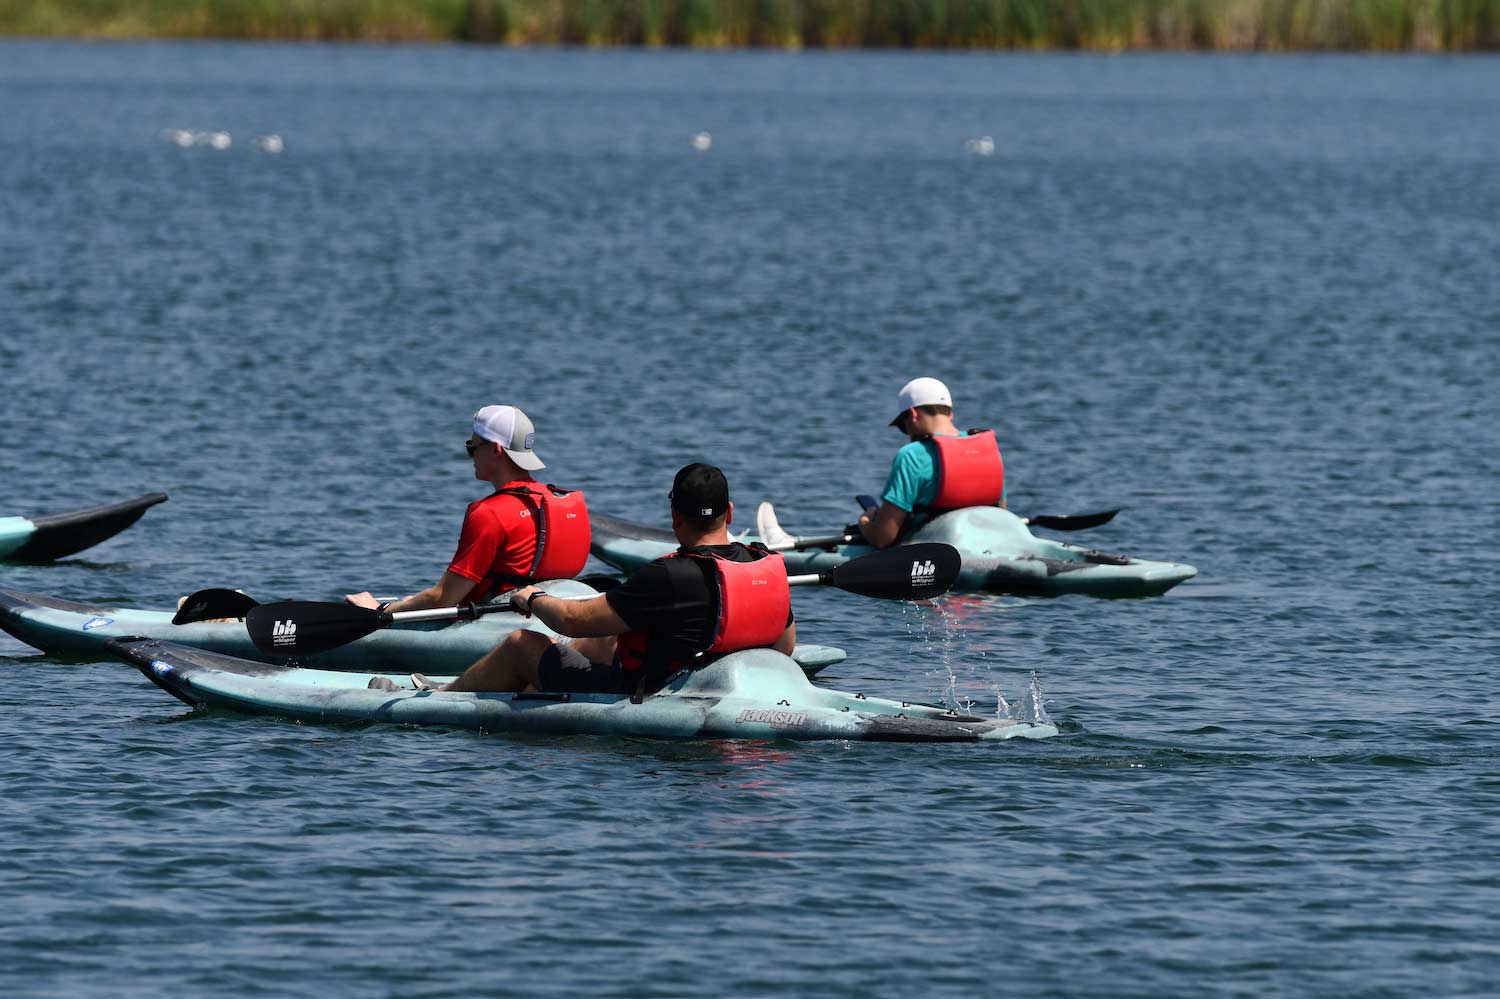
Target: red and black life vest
[(562, 534), (753, 605), (970, 471)]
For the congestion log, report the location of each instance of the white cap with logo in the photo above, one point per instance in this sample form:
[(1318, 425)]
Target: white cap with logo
[(922, 392), (510, 428)]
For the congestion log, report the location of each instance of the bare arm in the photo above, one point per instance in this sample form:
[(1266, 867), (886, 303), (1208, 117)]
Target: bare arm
[(592, 618), (449, 591), (884, 527), (788, 640)]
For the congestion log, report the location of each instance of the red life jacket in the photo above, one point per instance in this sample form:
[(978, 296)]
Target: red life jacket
[(754, 602), (970, 471), (562, 532)]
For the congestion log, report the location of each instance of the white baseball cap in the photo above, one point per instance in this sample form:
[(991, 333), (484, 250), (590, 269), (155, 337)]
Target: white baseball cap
[(510, 428), (922, 392)]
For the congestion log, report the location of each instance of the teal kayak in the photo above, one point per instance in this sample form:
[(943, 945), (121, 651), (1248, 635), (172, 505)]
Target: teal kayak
[(79, 630), (42, 539), (1000, 555), (755, 694)]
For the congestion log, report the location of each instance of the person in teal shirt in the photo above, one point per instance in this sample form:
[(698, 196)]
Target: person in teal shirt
[(926, 410)]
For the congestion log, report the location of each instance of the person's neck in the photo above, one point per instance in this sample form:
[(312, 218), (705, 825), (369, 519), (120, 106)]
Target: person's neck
[(939, 426), (718, 536), (510, 476)]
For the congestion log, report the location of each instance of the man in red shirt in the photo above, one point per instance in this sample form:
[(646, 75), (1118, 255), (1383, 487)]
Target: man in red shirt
[(498, 545)]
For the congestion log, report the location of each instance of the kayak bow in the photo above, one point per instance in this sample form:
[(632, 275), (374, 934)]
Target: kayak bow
[(42, 539)]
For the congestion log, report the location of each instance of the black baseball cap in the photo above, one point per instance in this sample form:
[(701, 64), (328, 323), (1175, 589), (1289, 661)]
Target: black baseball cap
[(700, 491)]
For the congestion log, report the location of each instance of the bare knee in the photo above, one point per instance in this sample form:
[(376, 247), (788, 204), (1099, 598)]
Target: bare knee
[(599, 650), (533, 642)]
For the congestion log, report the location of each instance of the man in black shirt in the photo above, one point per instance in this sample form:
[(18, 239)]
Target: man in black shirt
[(670, 610)]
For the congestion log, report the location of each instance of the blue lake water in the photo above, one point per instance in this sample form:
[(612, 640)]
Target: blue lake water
[(1252, 300)]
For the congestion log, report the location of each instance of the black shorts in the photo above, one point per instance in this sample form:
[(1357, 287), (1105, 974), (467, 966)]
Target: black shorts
[(564, 668)]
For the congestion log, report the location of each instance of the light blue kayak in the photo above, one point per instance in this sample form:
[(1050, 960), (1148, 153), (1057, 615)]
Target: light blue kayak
[(42, 539), (755, 694), (1000, 555), (78, 630)]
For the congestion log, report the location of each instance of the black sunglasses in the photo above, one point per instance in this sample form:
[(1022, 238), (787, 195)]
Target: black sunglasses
[(471, 447)]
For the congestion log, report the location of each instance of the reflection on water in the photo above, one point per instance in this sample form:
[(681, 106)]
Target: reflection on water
[(1223, 293)]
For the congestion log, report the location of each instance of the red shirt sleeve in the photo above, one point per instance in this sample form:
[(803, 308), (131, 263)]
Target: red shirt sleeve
[(483, 535)]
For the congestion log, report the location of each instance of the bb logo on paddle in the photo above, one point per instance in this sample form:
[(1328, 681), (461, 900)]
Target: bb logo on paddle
[(923, 573), (284, 633)]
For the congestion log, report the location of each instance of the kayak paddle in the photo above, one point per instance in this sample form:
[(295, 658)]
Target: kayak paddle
[(1051, 521), (213, 604), (907, 572), (217, 603), (303, 627), (1070, 521), (778, 540)]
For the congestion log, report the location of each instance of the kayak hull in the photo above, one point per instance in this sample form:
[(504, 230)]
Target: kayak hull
[(755, 694), (999, 556), (75, 630), (43, 539)]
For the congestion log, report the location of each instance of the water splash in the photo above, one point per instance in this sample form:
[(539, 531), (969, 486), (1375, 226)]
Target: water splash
[(933, 628), (1031, 706), (939, 640), (1002, 706)]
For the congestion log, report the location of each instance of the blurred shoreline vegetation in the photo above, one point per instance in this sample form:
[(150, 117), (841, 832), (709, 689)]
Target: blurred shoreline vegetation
[(1098, 25)]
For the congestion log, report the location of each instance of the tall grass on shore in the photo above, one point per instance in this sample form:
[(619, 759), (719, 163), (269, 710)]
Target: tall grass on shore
[(1387, 25)]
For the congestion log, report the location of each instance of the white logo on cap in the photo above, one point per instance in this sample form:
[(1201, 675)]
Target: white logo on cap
[(530, 440)]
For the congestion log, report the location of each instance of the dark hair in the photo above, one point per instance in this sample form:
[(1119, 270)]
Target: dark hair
[(932, 409)]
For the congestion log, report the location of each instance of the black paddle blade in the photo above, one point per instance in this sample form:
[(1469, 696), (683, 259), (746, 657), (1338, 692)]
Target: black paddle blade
[(302, 627), (213, 604), (868, 502), (1071, 521), (906, 572)]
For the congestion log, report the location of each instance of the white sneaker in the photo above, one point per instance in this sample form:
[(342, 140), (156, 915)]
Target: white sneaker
[(766, 525), (382, 683)]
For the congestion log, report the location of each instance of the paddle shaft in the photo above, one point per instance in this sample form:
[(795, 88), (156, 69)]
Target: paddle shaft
[(464, 612), (1051, 521), (296, 628), (799, 543)]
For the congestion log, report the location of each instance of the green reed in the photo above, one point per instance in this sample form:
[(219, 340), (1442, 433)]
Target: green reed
[(1392, 25)]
